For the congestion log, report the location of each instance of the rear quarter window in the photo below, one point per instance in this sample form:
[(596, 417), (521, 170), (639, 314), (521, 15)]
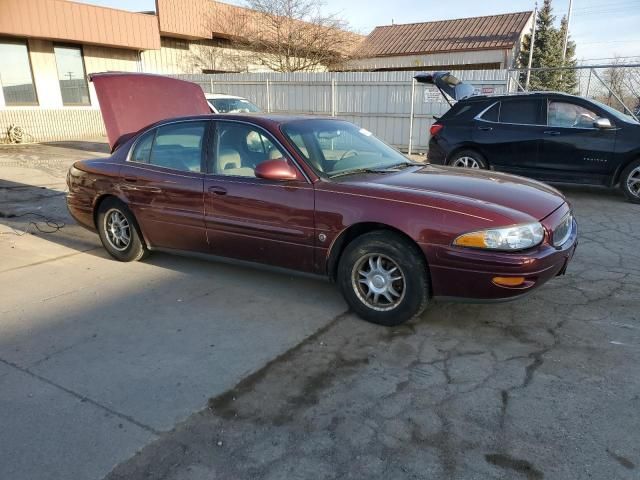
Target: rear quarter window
[(492, 114)]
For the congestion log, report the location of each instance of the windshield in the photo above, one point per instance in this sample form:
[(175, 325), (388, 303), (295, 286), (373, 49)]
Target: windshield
[(233, 105), (335, 147), (612, 111)]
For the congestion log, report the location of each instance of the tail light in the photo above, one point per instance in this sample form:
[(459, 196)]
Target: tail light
[(435, 129)]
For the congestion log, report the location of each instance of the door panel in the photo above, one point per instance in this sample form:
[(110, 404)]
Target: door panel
[(261, 221), (509, 134), (168, 205), (509, 148), (255, 219), (164, 186)]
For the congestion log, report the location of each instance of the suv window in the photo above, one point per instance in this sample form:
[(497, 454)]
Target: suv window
[(565, 114), (493, 114), (523, 112), (240, 148), (179, 146)]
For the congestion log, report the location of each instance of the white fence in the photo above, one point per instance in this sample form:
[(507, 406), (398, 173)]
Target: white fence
[(390, 104)]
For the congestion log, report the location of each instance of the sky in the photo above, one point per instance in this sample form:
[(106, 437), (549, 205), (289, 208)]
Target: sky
[(601, 29)]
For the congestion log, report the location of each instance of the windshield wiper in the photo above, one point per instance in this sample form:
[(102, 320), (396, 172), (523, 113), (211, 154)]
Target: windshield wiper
[(361, 170), (406, 165)]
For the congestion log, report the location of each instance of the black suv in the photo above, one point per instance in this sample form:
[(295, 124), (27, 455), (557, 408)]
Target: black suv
[(552, 137)]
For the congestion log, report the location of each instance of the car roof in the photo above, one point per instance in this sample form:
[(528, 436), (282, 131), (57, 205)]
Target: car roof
[(498, 96), (261, 119)]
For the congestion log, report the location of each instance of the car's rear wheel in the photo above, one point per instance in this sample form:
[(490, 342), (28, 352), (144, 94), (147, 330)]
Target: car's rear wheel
[(468, 159), (384, 278), (118, 231), (630, 181)]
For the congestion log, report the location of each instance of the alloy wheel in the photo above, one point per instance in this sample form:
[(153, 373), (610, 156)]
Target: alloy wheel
[(378, 282), (633, 182), (117, 229), (466, 162)]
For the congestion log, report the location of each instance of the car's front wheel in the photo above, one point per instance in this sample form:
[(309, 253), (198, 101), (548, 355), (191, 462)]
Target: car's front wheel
[(630, 181), (384, 278), (118, 231), (468, 159)]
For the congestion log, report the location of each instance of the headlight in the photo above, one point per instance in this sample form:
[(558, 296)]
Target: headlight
[(518, 237), (563, 231)]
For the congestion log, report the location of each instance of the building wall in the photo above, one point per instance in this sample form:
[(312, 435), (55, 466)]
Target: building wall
[(52, 124), (51, 120), (77, 22), (478, 57), (180, 56)]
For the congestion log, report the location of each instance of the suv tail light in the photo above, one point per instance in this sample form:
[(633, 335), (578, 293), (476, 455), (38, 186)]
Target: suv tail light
[(435, 129)]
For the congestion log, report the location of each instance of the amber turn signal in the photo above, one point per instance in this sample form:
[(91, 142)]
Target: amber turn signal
[(508, 281)]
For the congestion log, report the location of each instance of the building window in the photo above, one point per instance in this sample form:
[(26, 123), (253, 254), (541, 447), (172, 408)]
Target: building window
[(73, 81), (15, 74)]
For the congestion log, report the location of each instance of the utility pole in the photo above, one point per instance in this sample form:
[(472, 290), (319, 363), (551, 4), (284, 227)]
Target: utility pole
[(531, 43), (566, 34)]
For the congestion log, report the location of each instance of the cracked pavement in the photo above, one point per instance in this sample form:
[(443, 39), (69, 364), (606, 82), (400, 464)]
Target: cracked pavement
[(546, 387)]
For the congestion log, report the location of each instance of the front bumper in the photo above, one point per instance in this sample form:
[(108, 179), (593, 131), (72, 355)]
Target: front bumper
[(468, 273)]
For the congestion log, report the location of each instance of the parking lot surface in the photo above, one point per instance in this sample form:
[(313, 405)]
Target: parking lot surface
[(229, 372)]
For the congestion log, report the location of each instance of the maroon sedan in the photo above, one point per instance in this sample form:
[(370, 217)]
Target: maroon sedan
[(315, 195)]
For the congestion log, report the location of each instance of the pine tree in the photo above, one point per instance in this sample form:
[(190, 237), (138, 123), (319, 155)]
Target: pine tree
[(547, 53)]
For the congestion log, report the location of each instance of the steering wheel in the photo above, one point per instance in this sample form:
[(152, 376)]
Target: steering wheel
[(353, 153)]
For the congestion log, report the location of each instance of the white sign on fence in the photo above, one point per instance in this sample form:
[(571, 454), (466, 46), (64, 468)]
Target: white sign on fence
[(432, 94)]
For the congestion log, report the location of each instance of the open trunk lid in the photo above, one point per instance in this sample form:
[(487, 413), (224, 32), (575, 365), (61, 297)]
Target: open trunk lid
[(131, 101), (447, 84)]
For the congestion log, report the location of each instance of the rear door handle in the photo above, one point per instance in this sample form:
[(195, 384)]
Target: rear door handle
[(218, 190), (485, 129), (551, 132), (130, 179)]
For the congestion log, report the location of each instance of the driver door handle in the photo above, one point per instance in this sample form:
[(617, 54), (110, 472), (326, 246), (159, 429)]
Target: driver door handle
[(485, 129), (218, 190), (551, 132)]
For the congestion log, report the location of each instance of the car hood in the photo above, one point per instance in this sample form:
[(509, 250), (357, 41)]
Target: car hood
[(447, 83), (507, 195), (131, 101)]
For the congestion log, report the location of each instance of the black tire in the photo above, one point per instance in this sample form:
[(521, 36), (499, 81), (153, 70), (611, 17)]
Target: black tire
[(130, 251), (392, 249), (472, 155), (631, 172)]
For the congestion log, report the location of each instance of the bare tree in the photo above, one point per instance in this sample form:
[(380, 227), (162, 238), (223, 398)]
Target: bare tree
[(295, 35), (623, 82), (279, 35), (214, 56)]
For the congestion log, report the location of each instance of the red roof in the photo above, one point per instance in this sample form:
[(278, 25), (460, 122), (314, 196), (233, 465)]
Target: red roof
[(476, 33)]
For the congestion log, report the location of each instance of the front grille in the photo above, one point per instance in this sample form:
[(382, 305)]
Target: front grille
[(563, 231)]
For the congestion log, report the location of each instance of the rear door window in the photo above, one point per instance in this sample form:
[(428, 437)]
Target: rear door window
[(521, 112), (179, 146)]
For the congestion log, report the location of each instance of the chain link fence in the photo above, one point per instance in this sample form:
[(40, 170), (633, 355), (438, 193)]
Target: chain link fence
[(616, 85)]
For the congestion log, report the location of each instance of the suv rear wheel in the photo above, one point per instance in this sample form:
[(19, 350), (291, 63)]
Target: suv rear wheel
[(468, 159), (630, 181)]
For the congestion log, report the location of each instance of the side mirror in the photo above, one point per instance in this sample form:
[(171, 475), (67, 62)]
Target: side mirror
[(602, 123), (277, 169)]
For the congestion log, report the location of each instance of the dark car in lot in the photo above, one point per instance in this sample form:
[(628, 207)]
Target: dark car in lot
[(321, 196), (548, 136)]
